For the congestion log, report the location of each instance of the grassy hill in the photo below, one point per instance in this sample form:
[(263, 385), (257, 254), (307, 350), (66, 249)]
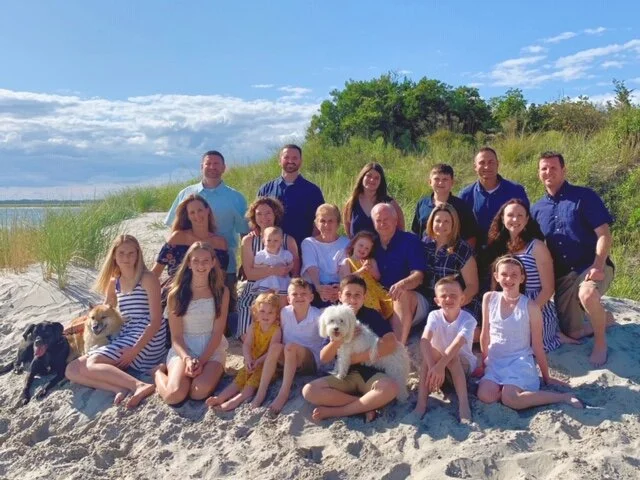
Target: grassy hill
[(600, 161)]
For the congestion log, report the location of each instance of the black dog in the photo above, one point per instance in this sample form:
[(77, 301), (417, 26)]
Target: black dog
[(46, 349)]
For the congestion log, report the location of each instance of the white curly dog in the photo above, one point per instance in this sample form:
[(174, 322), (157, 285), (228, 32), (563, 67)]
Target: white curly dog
[(340, 322)]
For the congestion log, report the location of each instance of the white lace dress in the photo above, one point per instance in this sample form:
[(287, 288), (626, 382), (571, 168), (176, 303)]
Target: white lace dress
[(510, 358), (197, 328)]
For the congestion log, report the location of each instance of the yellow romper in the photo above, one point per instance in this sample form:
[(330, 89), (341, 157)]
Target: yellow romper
[(261, 341), (377, 297)]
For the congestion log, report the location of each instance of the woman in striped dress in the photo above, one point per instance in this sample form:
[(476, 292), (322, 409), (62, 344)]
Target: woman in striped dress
[(262, 213), (140, 345), (514, 231)]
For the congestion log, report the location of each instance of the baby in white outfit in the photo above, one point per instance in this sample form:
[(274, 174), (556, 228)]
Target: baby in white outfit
[(273, 255)]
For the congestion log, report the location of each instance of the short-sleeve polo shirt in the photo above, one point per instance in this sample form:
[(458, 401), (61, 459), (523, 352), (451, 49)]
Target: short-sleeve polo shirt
[(568, 221), (404, 254)]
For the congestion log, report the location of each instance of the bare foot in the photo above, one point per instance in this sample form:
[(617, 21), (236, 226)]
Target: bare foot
[(231, 404), (159, 368), (465, 414), (574, 401), (319, 414), (257, 402), (565, 339), (213, 402), (120, 396), (142, 392), (277, 405), (598, 355), (420, 410), (370, 416)]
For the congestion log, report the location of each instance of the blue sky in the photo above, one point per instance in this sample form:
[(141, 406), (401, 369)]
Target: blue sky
[(97, 95)]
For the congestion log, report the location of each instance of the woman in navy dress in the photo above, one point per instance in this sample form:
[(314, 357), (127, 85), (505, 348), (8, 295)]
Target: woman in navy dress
[(370, 189)]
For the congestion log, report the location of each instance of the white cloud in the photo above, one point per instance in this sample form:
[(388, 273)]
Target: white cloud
[(50, 140), (560, 38), (533, 49), (475, 84), (634, 80), (612, 64), (594, 31), (263, 85), (516, 71), (295, 93), (405, 72)]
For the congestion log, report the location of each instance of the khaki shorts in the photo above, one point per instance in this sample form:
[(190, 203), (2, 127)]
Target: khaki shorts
[(354, 383), (570, 311)]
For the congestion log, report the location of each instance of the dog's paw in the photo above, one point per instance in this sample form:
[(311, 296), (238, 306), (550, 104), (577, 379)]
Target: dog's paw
[(41, 393)]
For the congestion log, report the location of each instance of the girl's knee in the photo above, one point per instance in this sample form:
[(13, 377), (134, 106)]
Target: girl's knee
[(275, 349), (72, 372), (387, 386), (487, 394), (511, 398)]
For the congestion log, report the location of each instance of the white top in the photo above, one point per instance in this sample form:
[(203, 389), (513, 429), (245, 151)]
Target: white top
[(511, 336), (325, 256), (305, 333), (283, 257), (444, 333), (199, 317)]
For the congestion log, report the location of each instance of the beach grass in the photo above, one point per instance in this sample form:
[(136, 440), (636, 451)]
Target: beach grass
[(600, 161)]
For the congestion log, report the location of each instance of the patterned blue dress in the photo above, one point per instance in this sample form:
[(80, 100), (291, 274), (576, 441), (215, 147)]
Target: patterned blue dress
[(134, 308), (533, 286)]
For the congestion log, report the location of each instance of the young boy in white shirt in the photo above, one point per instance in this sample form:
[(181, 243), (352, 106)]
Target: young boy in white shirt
[(446, 346), (299, 351)]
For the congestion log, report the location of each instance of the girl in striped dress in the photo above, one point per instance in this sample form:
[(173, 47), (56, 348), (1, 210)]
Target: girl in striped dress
[(127, 284), (514, 231)]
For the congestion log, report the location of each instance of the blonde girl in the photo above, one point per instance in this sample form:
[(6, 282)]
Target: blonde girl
[(127, 284), (263, 332)]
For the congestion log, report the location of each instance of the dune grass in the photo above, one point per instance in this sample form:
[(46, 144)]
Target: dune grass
[(601, 161)]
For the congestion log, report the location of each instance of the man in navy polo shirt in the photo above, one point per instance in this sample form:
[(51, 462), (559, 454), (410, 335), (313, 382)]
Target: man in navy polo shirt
[(298, 195), (441, 181), (489, 192), (575, 223), (402, 262)]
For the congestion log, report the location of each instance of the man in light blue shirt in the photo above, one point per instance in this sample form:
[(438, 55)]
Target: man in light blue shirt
[(228, 206)]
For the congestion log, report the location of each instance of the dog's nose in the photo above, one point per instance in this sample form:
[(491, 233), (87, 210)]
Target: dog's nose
[(336, 330)]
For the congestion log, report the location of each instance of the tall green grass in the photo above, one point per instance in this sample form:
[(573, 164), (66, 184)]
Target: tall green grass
[(601, 161)]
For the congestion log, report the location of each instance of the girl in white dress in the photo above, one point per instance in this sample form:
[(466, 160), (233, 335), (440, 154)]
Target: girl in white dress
[(198, 303), (511, 335)]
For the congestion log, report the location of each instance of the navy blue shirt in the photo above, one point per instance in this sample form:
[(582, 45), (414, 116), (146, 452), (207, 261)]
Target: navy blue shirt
[(360, 220), (372, 319), (404, 253), (468, 225), (568, 221), (300, 201), (485, 205)]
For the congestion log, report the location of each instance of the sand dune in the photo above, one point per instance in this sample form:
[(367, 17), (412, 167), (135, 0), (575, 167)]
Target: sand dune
[(77, 433)]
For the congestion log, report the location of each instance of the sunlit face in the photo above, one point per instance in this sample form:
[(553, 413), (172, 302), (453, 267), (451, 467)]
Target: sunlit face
[(197, 213), (449, 297), (353, 296), (273, 241), (515, 218), (266, 314), (126, 256), (509, 276), (442, 224), (327, 224), (384, 221), (265, 216), (212, 167), (441, 183), (551, 174), (201, 262), (299, 296), (362, 248), (371, 180), (486, 165), (290, 160)]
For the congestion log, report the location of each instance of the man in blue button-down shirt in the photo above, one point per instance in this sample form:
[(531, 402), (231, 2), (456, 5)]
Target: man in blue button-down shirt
[(575, 223), (298, 195), (228, 205), (489, 192)]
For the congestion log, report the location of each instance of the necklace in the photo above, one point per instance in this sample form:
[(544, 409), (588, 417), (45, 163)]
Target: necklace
[(204, 285), (510, 299)]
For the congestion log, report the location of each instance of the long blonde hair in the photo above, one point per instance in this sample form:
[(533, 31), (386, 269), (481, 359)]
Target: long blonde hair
[(110, 268), (455, 225), (180, 293)]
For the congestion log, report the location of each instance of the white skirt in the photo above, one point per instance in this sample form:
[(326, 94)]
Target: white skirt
[(196, 345)]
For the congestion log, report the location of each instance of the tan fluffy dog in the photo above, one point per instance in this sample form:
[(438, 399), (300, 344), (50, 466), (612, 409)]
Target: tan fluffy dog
[(92, 330)]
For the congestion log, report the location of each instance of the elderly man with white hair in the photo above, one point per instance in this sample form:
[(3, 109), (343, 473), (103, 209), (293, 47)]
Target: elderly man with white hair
[(402, 263)]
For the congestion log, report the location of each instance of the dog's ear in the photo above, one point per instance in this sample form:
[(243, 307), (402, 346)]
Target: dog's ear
[(28, 330), (350, 323), (322, 328), (58, 330)]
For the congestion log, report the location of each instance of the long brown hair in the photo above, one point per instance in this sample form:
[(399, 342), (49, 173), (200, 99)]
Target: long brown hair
[(110, 268), (455, 225), (182, 221), (499, 240), (180, 293), (358, 188)]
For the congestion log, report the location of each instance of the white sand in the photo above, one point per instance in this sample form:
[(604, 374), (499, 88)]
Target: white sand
[(77, 433)]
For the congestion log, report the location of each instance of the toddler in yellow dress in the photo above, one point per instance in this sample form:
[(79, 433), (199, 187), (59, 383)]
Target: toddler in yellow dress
[(360, 262), (264, 331)]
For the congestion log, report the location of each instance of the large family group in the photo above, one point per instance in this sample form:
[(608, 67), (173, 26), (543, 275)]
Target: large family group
[(478, 268)]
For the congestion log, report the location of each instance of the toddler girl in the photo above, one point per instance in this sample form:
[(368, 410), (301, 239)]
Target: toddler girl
[(274, 257)]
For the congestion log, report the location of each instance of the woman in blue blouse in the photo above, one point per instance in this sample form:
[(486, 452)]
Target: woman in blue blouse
[(194, 222), (370, 189), (448, 254)]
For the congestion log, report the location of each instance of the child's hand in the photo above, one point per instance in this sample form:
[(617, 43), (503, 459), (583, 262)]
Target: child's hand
[(127, 356), (248, 361), (435, 378), (557, 382)]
